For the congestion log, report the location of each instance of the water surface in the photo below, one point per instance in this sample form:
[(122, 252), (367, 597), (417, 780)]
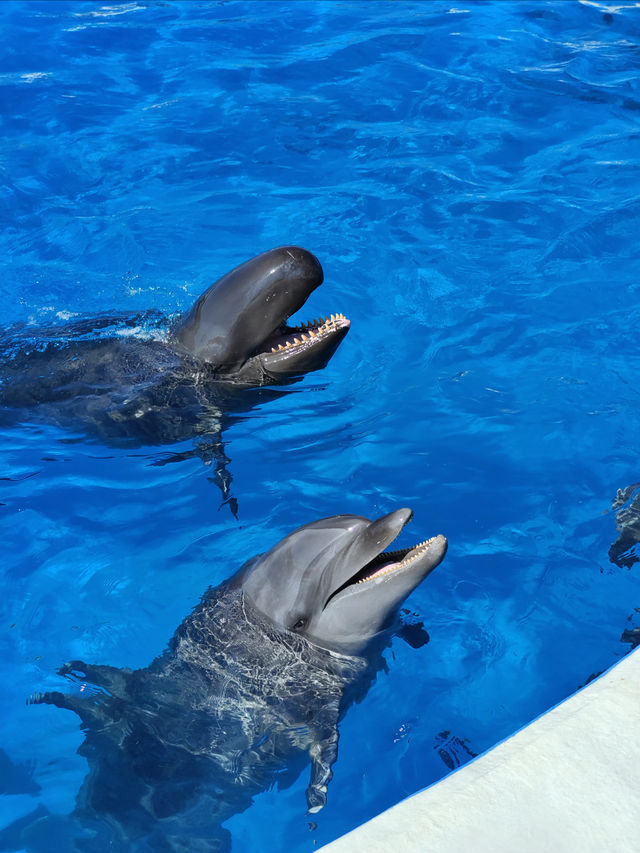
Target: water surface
[(468, 177)]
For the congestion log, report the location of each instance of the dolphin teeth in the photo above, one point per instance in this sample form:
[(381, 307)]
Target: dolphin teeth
[(304, 337), (280, 347), (416, 552), (419, 550), (296, 340), (313, 334), (273, 349), (333, 317), (288, 344)]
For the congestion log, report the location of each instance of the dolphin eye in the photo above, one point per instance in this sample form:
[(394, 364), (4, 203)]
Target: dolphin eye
[(299, 625)]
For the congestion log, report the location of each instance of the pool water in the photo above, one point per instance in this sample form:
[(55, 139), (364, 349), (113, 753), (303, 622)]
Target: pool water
[(468, 176)]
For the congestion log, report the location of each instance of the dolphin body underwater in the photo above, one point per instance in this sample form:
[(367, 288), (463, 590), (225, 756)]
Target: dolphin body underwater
[(252, 685), (177, 381)]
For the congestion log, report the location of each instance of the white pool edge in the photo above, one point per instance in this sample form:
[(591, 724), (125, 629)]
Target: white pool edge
[(569, 781)]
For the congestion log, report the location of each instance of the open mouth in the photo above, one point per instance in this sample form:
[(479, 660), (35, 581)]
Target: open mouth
[(391, 562), (290, 338)]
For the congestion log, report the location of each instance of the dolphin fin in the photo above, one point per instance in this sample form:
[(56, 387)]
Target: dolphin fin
[(323, 752), (323, 755), (211, 451), (115, 680), (108, 686)]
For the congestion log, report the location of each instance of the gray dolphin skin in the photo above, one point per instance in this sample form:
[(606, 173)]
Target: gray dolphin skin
[(240, 326), (145, 381), (252, 686)]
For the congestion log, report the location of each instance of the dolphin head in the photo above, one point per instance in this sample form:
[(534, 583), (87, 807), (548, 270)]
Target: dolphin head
[(333, 582), (239, 325)]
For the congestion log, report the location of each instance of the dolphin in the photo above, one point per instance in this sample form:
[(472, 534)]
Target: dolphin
[(143, 380), (251, 687), (626, 504)]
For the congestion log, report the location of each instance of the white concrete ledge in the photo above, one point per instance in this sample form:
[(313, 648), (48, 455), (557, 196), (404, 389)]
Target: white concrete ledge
[(569, 782)]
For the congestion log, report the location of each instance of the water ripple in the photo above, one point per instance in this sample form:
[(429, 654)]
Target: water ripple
[(468, 178)]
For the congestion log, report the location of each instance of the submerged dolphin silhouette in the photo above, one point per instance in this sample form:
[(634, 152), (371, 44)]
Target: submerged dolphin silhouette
[(624, 551), (252, 685), (166, 384)]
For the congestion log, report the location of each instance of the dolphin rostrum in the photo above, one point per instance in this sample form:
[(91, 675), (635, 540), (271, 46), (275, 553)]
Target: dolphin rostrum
[(251, 687)]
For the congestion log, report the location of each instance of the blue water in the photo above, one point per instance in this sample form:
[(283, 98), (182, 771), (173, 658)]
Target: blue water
[(468, 176)]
